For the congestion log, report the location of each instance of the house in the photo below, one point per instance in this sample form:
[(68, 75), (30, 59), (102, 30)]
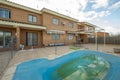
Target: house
[(85, 30), (33, 28), (102, 34), (59, 27), (22, 23)]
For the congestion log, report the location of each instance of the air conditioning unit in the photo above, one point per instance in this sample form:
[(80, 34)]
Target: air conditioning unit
[(63, 23)]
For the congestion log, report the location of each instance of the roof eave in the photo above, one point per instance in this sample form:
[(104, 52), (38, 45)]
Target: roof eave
[(22, 25), (12, 4), (58, 14)]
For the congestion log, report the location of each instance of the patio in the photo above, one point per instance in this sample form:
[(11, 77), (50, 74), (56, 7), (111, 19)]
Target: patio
[(49, 52)]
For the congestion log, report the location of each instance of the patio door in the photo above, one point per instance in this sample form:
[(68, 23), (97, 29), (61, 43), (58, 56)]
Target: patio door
[(1, 39), (31, 39), (5, 38)]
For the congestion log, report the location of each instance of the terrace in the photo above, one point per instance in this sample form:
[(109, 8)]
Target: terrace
[(49, 53)]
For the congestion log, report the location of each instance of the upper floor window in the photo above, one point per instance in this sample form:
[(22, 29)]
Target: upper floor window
[(32, 18), (86, 28), (70, 24), (55, 21), (4, 13)]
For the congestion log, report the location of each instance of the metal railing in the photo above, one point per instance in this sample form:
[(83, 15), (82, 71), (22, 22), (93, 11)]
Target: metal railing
[(6, 56), (109, 40)]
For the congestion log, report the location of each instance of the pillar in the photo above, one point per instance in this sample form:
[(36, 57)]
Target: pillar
[(18, 37)]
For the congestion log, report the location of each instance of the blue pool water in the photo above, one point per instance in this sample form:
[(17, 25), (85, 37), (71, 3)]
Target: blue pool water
[(64, 68)]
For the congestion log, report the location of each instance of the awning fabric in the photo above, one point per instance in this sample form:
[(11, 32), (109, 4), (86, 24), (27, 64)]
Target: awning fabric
[(16, 24), (55, 32)]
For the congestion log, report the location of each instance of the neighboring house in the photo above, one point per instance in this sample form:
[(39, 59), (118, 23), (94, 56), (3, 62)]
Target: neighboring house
[(102, 34), (58, 28), (85, 30), (34, 28)]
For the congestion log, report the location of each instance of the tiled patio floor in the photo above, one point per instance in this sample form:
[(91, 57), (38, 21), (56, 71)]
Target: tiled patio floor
[(49, 52)]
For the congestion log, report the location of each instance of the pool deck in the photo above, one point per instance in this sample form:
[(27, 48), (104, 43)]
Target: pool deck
[(50, 53)]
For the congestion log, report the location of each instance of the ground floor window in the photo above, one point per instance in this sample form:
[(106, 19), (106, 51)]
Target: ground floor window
[(31, 38), (70, 36), (5, 37), (56, 36)]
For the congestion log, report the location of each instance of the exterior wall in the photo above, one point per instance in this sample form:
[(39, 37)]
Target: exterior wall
[(23, 37), (48, 22), (47, 39), (84, 37), (4, 28), (20, 15)]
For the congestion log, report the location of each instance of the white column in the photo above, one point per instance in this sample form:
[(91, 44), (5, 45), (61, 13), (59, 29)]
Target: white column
[(104, 38), (96, 41)]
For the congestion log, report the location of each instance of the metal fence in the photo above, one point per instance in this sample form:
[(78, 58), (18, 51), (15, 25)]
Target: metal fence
[(114, 39), (6, 56)]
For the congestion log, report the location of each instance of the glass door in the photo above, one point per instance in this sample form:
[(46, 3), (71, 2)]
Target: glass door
[(1, 39), (7, 38), (32, 39)]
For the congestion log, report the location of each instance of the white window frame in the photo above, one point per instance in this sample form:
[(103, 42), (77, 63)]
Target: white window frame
[(4, 13), (32, 18), (55, 21), (70, 36), (70, 25), (86, 28), (56, 36)]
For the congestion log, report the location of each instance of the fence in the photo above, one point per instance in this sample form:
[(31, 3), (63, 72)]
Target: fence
[(115, 39), (6, 56)]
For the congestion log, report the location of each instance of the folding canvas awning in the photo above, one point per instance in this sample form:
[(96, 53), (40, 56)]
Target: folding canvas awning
[(55, 32), (23, 25), (85, 32)]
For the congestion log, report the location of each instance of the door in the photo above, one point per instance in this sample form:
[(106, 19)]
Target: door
[(1, 39), (5, 38)]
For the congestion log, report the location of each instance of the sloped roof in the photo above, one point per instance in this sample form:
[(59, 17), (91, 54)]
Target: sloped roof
[(58, 14), (87, 23), (12, 4)]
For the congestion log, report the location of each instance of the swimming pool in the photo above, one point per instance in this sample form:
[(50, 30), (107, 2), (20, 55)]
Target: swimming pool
[(78, 65)]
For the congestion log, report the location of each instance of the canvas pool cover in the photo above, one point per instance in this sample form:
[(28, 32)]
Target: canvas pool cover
[(44, 69)]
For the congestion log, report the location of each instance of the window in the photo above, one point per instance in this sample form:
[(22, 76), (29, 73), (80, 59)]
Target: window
[(55, 21), (32, 18), (86, 28), (56, 37), (5, 37), (31, 39), (70, 25), (4, 13), (70, 37)]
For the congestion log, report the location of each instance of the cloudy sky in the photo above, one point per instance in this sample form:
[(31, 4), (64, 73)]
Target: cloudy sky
[(103, 13)]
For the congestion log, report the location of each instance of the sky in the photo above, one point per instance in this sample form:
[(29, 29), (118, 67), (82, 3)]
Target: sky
[(102, 13)]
